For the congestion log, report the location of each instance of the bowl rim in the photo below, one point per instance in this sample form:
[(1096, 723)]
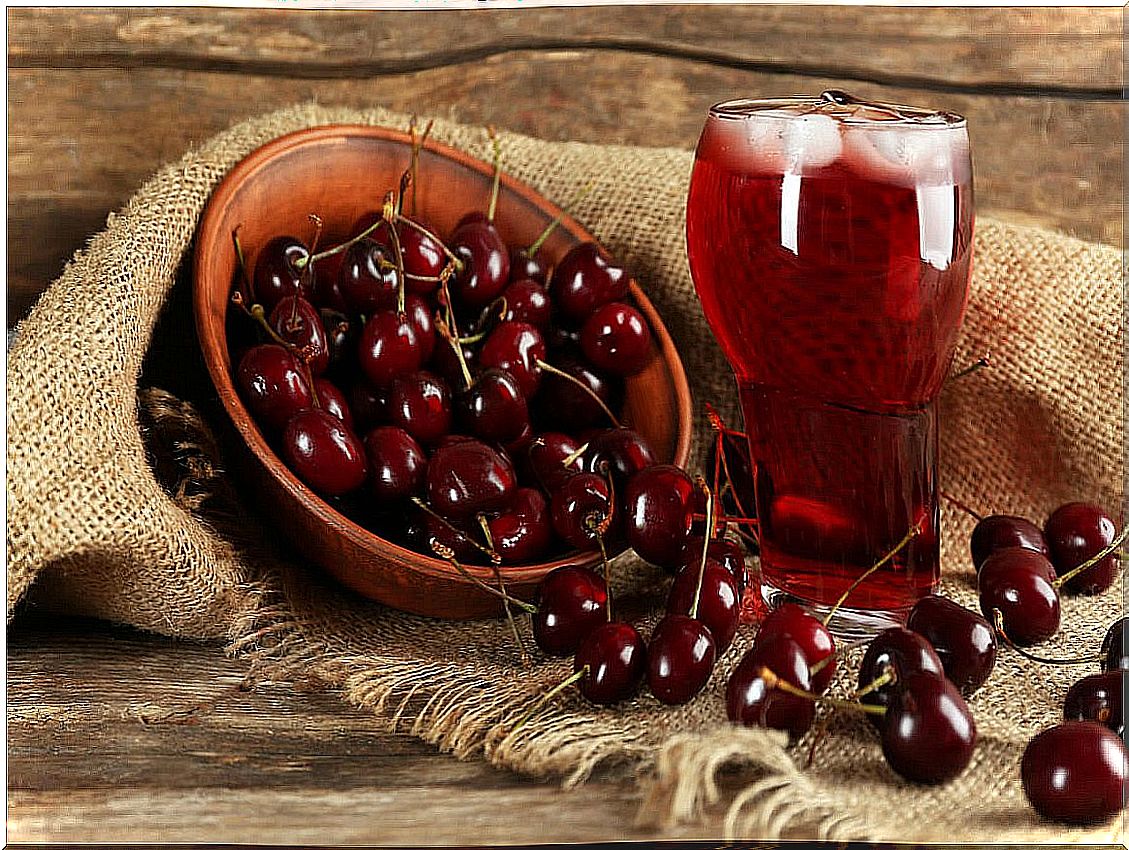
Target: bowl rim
[(210, 239)]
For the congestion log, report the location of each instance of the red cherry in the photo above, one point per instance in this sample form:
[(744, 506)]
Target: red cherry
[(616, 338), (422, 528), (680, 659), (486, 263), (616, 658), (341, 337), (1074, 773), (398, 465), (659, 511), (623, 450), (563, 406), (273, 385), (423, 258), (1075, 533), (1100, 698), (420, 403), (545, 456), (908, 653), (750, 701), (524, 266), (962, 639), (814, 639), (1000, 531), (333, 401), (296, 321), (1115, 651), (577, 506), (468, 477), (324, 453), (928, 733), (571, 602), (719, 604), (368, 279), (515, 347), (522, 532), (277, 273), (493, 408), (527, 301), (585, 279), (391, 345), (725, 552), (1019, 584), (369, 405)]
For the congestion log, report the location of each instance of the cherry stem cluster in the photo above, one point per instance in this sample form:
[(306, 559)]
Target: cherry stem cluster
[(773, 681)]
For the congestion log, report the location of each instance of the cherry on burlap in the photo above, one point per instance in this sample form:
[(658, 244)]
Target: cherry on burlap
[(92, 531)]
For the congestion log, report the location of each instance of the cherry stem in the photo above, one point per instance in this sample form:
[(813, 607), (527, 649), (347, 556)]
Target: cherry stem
[(417, 146), (427, 509), (448, 328), (711, 527), (912, 533), (719, 425), (448, 555), (959, 505), (398, 253), (998, 622), (524, 655), (260, 315), (774, 681), (575, 456), (587, 389), (602, 527), (839, 650), (244, 280), (537, 243), (984, 361), (1101, 556), (548, 696), (607, 571), (490, 210), (884, 678), (310, 259)]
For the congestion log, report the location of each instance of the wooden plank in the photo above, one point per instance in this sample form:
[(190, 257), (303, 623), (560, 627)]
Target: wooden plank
[(1059, 49)]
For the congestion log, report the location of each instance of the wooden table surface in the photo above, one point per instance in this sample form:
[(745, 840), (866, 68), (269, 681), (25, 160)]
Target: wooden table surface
[(117, 736)]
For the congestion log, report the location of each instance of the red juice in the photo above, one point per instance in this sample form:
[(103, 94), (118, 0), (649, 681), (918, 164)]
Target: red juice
[(831, 255)]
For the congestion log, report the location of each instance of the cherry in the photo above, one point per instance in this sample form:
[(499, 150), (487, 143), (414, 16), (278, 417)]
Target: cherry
[(324, 453), (928, 733), (659, 512), (623, 450), (391, 345), (522, 531), (616, 658), (719, 605), (526, 266), (616, 338), (560, 338), (680, 658), (527, 300), (470, 217), (578, 505), (1115, 651), (907, 653), (565, 406), (419, 314), (423, 528), (326, 291), (423, 258), (1000, 531), (1099, 697), (752, 701), (445, 362), (278, 272), (1019, 584), (546, 455), (1076, 532), (369, 280), (333, 401), (296, 321), (585, 279), (340, 341), (516, 348), (398, 465), (493, 408), (486, 263), (962, 639), (571, 602), (1074, 773), (273, 384), (725, 552), (814, 639), (468, 477), (369, 405), (420, 403)]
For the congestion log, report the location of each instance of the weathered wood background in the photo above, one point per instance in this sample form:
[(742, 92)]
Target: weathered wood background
[(104, 742)]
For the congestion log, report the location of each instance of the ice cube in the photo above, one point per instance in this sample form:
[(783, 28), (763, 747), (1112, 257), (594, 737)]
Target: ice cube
[(812, 141)]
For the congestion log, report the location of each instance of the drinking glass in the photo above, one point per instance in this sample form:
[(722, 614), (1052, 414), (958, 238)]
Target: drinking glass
[(830, 241)]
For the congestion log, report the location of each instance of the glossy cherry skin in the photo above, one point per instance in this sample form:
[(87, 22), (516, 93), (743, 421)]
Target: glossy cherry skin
[(397, 464), (1074, 773), (296, 321), (623, 450), (545, 456), (571, 602), (341, 337), (333, 401), (616, 339), (325, 454), (962, 639), (369, 405), (526, 266), (486, 263), (422, 528), (908, 653), (1017, 583), (522, 532), (493, 408), (1001, 531), (750, 701), (391, 345), (516, 348), (1075, 533), (277, 273), (725, 552), (579, 504), (719, 605), (928, 733), (527, 301), (585, 279), (273, 385), (420, 403), (1115, 651), (680, 658), (469, 477), (418, 311), (369, 280), (563, 406), (423, 259), (1100, 698), (445, 363), (616, 658), (791, 621), (659, 512), (326, 291)]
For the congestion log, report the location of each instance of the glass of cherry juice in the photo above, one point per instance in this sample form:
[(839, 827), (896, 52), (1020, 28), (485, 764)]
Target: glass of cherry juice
[(830, 242)]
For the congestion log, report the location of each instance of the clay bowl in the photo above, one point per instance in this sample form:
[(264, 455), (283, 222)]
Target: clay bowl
[(339, 173)]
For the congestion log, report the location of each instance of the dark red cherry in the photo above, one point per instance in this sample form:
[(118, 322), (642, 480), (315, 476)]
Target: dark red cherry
[(333, 401), (659, 512), (1074, 773), (472, 217), (369, 280), (928, 733), (562, 339), (578, 505), (445, 363), (486, 263), (515, 347), (623, 450), (1115, 651), (616, 658), (571, 602), (906, 652), (296, 321), (277, 273), (545, 457), (369, 405), (420, 403), (423, 258), (493, 408), (397, 464), (563, 406), (273, 385), (1019, 583), (1099, 698), (391, 345), (468, 477), (527, 301), (1003, 532), (962, 639), (421, 528), (616, 339), (522, 532), (726, 552), (585, 279), (341, 337), (680, 658), (324, 453), (1075, 533), (326, 291), (719, 605), (419, 314), (814, 639), (750, 701), (526, 266)]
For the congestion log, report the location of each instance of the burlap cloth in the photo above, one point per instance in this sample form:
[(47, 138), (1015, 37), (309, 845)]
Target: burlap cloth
[(94, 529)]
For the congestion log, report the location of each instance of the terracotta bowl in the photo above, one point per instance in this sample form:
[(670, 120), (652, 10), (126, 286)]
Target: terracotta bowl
[(339, 173)]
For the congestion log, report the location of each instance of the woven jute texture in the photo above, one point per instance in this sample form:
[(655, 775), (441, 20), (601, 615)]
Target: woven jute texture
[(91, 529)]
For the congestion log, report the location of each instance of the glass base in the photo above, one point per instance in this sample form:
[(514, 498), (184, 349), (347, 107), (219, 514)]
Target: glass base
[(847, 624)]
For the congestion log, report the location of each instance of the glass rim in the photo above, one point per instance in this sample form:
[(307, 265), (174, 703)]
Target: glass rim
[(840, 106)]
